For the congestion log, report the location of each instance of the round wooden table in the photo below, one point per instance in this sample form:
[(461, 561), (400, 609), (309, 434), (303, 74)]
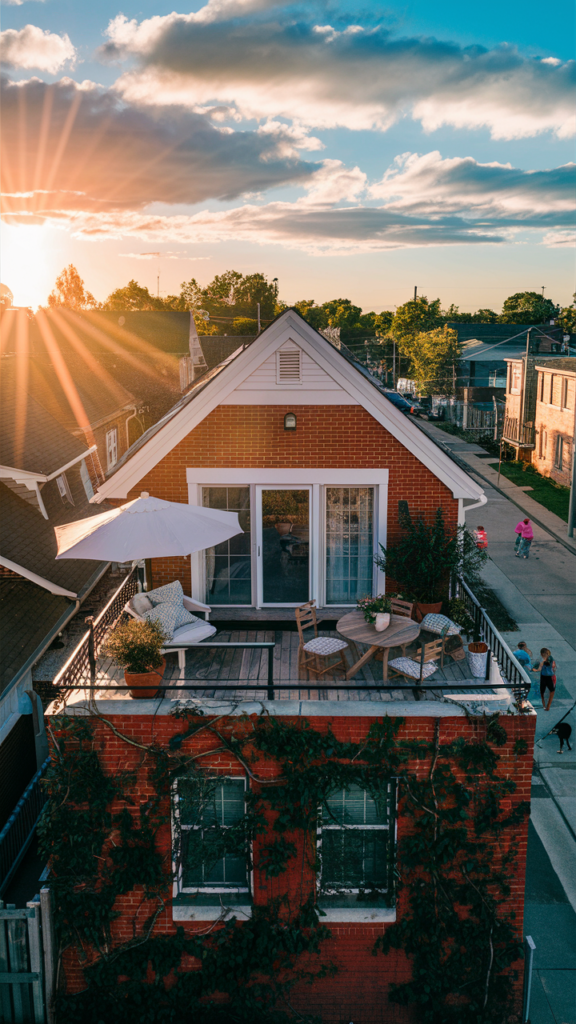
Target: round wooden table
[(401, 631)]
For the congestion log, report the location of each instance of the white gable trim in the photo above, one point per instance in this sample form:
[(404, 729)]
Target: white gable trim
[(290, 328)]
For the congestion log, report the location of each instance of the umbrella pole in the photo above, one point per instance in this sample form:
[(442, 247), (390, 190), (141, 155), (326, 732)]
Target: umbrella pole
[(148, 574)]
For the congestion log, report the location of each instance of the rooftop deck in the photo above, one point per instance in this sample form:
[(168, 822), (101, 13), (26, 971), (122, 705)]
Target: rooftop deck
[(236, 669)]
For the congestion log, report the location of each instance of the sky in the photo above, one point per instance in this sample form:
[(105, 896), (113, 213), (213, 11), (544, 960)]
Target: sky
[(349, 149)]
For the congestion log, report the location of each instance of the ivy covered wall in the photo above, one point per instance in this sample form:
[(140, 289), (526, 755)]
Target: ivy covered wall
[(454, 952)]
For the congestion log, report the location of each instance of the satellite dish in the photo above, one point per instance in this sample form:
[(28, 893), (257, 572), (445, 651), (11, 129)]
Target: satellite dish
[(6, 295)]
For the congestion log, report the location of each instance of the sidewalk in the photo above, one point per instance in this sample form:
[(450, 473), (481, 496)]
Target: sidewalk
[(540, 593), (483, 468)]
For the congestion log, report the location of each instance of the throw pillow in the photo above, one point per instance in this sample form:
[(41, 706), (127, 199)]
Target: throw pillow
[(165, 614), (436, 623), (141, 603), (169, 592)]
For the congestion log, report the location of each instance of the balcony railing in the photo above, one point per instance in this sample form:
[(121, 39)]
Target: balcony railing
[(516, 433), (17, 833), (81, 663)]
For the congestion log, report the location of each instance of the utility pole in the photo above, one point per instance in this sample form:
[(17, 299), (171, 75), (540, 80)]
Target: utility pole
[(258, 304), (415, 292), (543, 287)]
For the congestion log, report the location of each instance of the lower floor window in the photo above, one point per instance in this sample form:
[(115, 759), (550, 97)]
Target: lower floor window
[(213, 859), (356, 845), (559, 453)]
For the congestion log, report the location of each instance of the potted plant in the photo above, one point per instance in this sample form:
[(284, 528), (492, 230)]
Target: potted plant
[(376, 610), (477, 649), (426, 556), (136, 646)]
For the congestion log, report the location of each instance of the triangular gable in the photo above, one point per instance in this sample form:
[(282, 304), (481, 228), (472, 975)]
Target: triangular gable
[(289, 328)]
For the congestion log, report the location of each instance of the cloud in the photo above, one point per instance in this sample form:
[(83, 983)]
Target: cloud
[(161, 255), (77, 147), (17, 3), (428, 184), (560, 239), (268, 63), (33, 47)]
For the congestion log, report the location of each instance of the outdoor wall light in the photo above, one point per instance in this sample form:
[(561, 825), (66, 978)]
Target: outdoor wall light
[(290, 421)]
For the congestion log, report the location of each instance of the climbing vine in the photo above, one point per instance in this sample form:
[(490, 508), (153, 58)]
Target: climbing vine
[(453, 869)]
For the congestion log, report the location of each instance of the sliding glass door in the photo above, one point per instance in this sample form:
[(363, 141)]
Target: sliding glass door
[(349, 543), (229, 565), (284, 545)]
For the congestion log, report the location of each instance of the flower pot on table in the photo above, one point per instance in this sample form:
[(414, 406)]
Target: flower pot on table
[(144, 685), (477, 658)]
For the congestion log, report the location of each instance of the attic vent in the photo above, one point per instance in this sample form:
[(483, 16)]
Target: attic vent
[(288, 368)]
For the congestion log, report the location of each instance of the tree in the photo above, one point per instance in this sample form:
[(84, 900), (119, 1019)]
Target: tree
[(527, 308), (133, 297), (416, 316), (314, 315), (229, 297), (69, 291), (433, 356), (567, 318), (482, 316)]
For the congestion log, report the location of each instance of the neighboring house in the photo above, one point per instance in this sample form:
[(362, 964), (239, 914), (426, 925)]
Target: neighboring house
[(47, 477), (555, 425), (299, 439), (487, 347), (522, 393)]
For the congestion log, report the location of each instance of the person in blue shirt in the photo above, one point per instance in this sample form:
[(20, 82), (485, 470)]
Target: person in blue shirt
[(523, 655)]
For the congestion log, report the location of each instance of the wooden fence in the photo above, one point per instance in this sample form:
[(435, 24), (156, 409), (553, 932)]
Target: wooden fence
[(27, 962)]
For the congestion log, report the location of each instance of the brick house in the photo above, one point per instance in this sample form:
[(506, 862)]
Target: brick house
[(296, 436), (202, 899), (555, 426), (521, 399)]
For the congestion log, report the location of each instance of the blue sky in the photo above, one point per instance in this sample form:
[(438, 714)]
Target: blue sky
[(347, 149)]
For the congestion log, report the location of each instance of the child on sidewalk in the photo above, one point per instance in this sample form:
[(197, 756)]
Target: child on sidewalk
[(481, 538)]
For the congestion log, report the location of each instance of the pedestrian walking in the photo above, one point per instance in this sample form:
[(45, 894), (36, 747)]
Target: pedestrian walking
[(481, 538), (524, 538), (547, 670), (523, 654)]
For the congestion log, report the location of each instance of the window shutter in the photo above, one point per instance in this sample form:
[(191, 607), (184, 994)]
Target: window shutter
[(112, 447), (64, 488), (288, 366)]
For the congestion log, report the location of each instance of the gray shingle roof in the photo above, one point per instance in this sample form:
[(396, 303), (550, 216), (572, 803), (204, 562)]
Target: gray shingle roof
[(30, 437), (27, 615)]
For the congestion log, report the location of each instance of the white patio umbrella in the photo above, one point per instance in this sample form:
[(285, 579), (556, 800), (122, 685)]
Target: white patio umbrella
[(146, 528)]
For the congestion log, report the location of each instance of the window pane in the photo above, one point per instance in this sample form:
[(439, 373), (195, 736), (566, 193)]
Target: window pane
[(354, 858), (229, 565), (224, 807), (349, 543), (355, 806)]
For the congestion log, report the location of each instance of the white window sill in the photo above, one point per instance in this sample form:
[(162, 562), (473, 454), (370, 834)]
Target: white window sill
[(368, 915), (195, 913)]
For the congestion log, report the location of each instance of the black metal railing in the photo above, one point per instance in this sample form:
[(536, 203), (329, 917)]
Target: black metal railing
[(17, 833), (513, 675), (82, 662)]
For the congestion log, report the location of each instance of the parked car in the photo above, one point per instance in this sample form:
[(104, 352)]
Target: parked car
[(400, 402)]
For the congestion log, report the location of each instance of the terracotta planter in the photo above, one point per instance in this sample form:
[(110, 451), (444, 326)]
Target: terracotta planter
[(144, 685), (420, 610)]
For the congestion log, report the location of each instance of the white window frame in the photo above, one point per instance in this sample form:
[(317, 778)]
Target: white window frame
[(111, 447), (178, 829), (259, 543), (367, 912), (516, 375), (293, 479)]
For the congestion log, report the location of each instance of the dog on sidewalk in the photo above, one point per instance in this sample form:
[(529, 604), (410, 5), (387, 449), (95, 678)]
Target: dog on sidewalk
[(563, 731)]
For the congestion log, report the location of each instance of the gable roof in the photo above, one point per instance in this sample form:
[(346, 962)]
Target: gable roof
[(217, 384)]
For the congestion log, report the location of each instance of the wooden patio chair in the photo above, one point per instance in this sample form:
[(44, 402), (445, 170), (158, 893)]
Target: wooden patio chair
[(417, 670), (313, 654), (404, 608)]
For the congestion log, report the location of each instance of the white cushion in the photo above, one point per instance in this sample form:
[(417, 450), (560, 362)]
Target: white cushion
[(141, 603), (192, 633), (165, 615), (325, 645), (436, 623), (412, 668)]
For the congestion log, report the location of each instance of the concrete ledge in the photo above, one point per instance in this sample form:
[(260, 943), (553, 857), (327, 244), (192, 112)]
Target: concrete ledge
[(369, 915), (215, 913), (278, 708)]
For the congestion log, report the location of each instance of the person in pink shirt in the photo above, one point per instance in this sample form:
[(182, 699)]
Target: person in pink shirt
[(524, 538)]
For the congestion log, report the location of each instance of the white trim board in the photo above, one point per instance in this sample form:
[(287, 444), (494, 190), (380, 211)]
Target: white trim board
[(288, 328)]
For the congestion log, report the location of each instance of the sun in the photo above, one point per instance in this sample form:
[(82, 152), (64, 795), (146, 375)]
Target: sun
[(28, 266)]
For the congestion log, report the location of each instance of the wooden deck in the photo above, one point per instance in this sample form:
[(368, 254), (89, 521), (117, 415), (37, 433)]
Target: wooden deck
[(243, 667)]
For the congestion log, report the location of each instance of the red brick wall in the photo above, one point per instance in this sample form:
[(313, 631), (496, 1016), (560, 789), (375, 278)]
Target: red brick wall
[(327, 437), (358, 992)]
